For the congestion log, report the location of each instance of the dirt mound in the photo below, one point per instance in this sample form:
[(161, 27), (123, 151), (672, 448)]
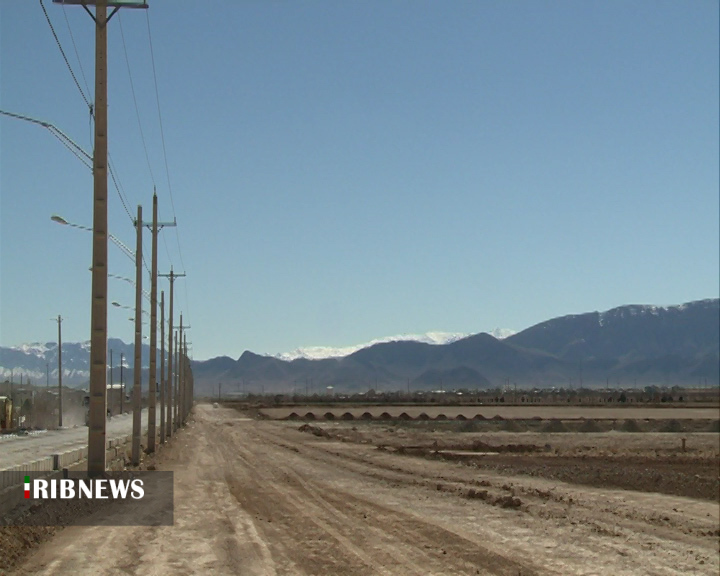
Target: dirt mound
[(329, 416), (404, 416), (508, 502), (480, 494), (293, 416), (385, 416), (309, 416), (315, 430), (630, 426), (480, 446), (672, 426), (498, 417), (479, 417), (347, 416), (589, 426), (423, 416), (554, 426), (460, 417), (441, 417), (366, 416)]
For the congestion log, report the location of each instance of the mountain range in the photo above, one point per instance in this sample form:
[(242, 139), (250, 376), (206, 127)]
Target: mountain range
[(634, 345), (628, 346), (320, 352)]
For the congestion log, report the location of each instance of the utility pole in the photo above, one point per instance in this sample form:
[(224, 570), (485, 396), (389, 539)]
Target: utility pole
[(60, 406), (111, 382), (12, 400), (137, 369), (152, 377), (175, 384), (170, 380), (188, 382), (98, 316), (162, 367), (182, 380), (182, 373), (178, 392), (122, 386)]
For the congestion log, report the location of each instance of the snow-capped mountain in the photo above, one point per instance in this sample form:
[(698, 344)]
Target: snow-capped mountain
[(502, 333), (436, 338), (38, 361)]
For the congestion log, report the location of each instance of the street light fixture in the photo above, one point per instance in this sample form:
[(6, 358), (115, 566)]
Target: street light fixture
[(118, 243)]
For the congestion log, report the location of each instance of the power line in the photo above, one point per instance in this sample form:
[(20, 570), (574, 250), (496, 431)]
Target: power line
[(115, 179), (72, 39), (137, 111), (162, 136), (64, 138), (167, 170), (166, 249), (57, 41)]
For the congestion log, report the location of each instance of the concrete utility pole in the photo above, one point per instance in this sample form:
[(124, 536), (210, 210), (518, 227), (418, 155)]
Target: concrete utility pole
[(170, 381), (98, 316), (60, 406), (186, 381), (111, 381), (188, 384), (152, 377), (137, 368), (122, 386), (162, 368), (179, 395), (182, 390), (175, 384)]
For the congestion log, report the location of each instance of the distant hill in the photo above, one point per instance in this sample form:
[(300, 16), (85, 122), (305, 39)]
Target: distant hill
[(631, 346)]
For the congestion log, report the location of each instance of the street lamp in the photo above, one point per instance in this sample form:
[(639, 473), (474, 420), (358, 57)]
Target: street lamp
[(125, 250)]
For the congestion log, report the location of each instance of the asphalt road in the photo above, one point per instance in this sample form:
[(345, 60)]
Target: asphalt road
[(16, 450)]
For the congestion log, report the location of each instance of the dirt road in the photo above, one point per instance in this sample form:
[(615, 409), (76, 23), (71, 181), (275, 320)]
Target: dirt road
[(261, 498)]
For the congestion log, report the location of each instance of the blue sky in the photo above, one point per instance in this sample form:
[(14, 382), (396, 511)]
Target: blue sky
[(342, 171)]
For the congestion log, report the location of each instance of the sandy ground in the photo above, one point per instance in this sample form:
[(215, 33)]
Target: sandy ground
[(261, 497)]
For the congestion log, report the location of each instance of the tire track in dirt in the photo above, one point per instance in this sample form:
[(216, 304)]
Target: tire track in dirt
[(420, 550), (604, 524)]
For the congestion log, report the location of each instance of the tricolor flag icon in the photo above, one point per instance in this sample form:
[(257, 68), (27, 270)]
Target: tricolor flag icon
[(27, 486)]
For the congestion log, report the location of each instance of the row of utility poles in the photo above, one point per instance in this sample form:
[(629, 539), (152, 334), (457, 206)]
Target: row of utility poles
[(182, 383), (174, 390)]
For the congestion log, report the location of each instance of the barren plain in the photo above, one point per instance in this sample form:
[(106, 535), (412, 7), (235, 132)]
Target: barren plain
[(346, 497)]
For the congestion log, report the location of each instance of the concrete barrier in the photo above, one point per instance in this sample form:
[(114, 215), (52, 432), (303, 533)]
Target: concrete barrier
[(117, 454), (16, 474)]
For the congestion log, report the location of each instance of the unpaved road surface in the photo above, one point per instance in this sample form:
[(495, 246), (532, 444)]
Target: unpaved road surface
[(260, 497)]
